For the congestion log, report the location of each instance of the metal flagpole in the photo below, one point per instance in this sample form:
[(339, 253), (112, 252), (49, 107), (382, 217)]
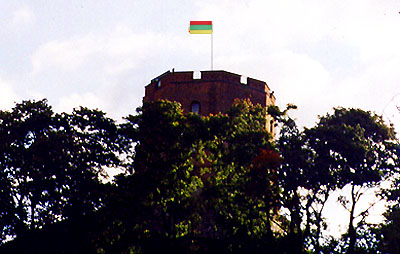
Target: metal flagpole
[(212, 49)]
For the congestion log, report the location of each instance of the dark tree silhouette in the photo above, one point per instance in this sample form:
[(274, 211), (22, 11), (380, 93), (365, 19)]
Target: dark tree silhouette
[(50, 164)]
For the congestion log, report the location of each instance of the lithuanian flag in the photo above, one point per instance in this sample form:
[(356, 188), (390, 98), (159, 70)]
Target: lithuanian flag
[(200, 27)]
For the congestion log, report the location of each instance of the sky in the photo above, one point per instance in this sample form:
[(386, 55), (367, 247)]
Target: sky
[(101, 54)]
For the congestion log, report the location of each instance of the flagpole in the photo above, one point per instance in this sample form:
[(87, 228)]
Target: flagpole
[(212, 50)]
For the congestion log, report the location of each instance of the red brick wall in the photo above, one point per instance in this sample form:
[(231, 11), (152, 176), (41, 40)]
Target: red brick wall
[(215, 91)]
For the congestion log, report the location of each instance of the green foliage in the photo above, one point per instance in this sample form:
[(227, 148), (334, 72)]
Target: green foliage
[(50, 164), (192, 184), (353, 146), (349, 147), (390, 232), (198, 179)]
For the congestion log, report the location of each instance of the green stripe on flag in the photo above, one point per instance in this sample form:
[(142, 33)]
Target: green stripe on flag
[(201, 27)]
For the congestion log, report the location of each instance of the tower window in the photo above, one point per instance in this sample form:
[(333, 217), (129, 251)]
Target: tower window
[(195, 107), (271, 126)]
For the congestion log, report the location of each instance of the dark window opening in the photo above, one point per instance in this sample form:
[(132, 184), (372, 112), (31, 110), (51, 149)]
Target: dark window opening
[(195, 107), (271, 126)]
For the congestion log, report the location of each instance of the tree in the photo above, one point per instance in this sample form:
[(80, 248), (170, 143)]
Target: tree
[(358, 149), (198, 184), (350, 147), (193, 184), (389, 230), (50, 164), (305, 190)]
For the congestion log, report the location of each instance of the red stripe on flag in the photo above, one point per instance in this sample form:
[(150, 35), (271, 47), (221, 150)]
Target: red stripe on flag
[(200, 22)]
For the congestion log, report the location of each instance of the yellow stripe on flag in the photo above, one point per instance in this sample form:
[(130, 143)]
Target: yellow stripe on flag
[(200, 31)]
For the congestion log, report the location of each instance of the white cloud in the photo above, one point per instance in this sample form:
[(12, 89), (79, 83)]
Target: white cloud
[(8, 97), (271, 24), (33, 94), (121, 50), (64, 55), (23, 16), (69, 102)]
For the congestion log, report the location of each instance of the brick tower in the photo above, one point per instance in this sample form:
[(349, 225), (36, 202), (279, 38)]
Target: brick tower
[(209, 91)]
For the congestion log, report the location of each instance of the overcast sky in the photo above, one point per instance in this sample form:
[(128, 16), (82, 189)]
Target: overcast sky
[(100, 54)]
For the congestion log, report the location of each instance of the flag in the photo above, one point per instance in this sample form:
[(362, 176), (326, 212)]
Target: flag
[(200, 27)]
